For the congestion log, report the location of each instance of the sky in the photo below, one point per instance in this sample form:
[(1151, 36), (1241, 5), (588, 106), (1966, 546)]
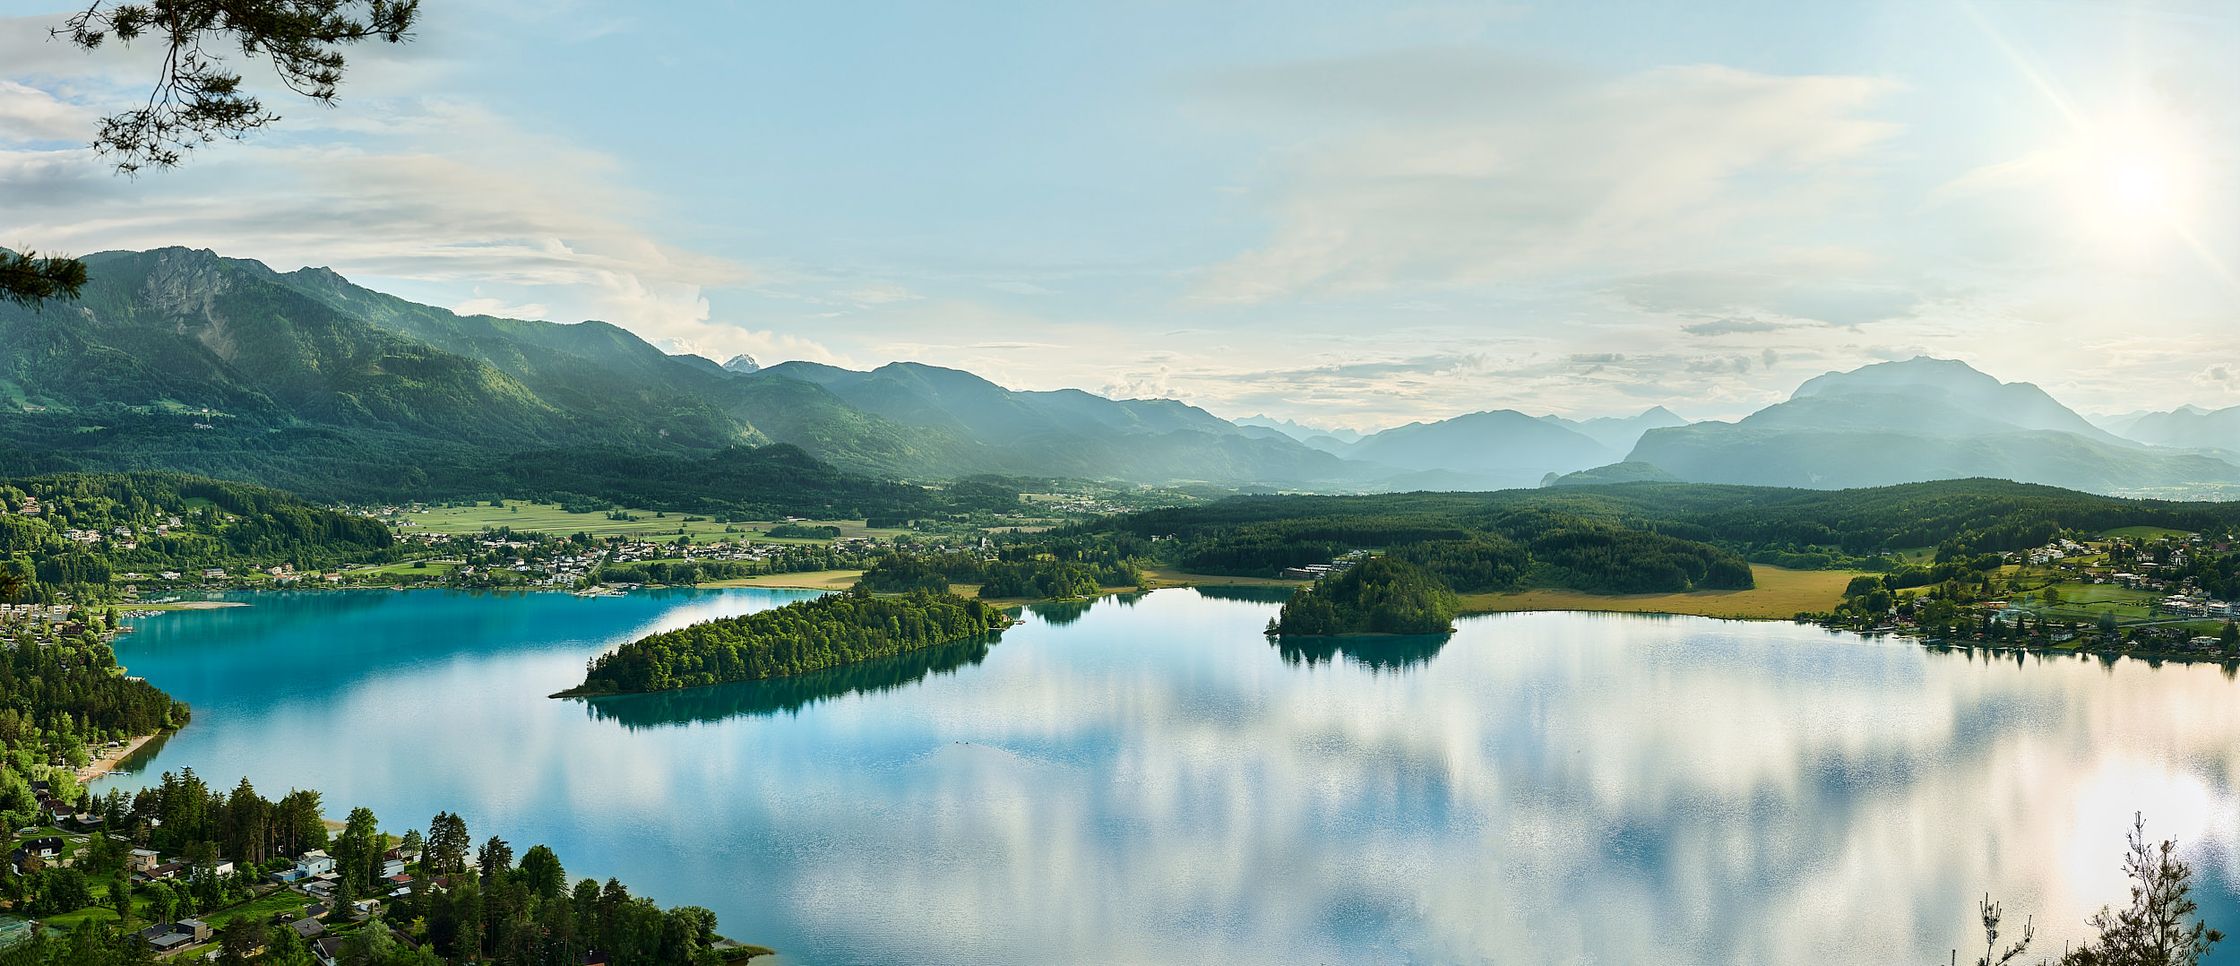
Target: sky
[(1349, 214)]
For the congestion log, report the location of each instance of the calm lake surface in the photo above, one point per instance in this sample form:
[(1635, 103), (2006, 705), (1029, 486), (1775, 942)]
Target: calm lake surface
[(1149, 779)]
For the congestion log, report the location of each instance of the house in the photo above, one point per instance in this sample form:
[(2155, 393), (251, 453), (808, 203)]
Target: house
[(314, 863), (164, 937), (328, 951), (308, 928), (142, 860), (45, 847), (43, 851)]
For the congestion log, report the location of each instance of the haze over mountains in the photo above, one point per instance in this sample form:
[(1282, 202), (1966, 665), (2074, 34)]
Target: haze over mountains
[(186, 360)]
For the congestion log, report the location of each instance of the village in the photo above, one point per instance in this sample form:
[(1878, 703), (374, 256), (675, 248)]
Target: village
[(2144, 591)]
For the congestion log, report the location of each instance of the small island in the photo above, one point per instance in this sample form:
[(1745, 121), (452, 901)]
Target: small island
[(798, 638), (1379, 595)]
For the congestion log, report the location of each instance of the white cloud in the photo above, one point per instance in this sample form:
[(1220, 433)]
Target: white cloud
[(1460, 168), (378, 200), (30, 114)]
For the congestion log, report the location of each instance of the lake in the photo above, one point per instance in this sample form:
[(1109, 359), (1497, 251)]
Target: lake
[(1150, 779)]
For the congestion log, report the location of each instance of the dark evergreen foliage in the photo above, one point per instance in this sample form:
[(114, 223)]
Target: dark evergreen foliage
[(811, 635), (1377, 596)]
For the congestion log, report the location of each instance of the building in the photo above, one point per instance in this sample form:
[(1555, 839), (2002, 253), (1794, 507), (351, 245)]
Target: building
[(166, 937), (314, 863)]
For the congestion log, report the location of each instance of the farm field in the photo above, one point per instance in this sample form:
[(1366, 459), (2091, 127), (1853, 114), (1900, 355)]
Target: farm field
[(803, 580), (1780, 594), (552, 519)]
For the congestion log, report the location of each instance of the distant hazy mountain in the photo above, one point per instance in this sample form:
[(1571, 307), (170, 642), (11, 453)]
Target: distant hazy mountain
[(1299, 431), (1619, 433), (741, 363), (1502, 448), (1066, 432), (1921, 419), (2188, 427)]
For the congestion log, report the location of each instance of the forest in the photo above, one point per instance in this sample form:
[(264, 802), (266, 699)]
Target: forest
[(1040, 570), (59, 694), (1804, 529), (811, 635)]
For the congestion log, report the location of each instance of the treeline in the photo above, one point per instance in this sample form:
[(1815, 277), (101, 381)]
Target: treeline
[(1056, 570), (1471, 551), (480, 904), (681, 573), (826, 632), (1794, 528), (1379, 595)]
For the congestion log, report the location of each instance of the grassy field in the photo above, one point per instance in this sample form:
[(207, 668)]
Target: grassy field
[(262, 907), (431, 568), (804, 580), (1157, 578), (2145, 533), (1780, 594), (551, 519)]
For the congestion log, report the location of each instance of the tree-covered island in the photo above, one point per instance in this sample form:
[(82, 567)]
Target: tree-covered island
[(1380, 595), (811, 635)]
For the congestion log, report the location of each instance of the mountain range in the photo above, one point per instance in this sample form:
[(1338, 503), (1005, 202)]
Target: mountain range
[(186, 360), (1924, 419)]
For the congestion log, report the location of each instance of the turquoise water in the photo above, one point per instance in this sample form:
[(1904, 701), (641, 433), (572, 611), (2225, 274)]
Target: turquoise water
[(1149, 779)]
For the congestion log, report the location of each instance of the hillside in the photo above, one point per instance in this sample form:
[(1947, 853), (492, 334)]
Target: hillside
[(983, 427), (182, 359)]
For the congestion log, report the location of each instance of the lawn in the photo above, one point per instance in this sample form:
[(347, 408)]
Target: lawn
[(1779, 595), (549, 518), (2145, 533), (279, 901), (427, 568)]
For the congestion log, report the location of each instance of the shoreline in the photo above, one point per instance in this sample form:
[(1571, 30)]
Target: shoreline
[(104, 763)]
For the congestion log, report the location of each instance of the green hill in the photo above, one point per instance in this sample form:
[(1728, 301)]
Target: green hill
[(968, 424)]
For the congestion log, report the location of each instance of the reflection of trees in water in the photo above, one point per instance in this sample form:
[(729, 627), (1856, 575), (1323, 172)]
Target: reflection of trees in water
[(1256, 595), (787, 694), (1385, 652), (1059, 613)]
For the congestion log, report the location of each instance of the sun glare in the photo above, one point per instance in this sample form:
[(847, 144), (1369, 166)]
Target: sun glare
[(2140, 182), (2133, 180)]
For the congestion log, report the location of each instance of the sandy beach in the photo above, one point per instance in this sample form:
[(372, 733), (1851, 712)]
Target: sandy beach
[(107, 761)]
